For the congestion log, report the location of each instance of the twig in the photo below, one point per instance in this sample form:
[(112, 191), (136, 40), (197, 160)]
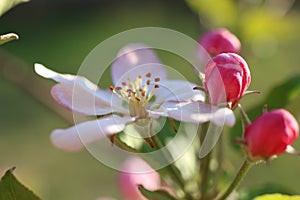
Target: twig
[(17, 73)]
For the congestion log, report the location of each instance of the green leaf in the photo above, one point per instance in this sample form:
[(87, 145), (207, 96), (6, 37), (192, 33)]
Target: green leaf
[(155, 195), (12, 189), (5, 5), (8, 37), (279, 97), (277, 197), (262, 189)]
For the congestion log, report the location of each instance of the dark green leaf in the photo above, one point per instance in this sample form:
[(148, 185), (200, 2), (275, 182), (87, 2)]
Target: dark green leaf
[(155, 195), (12, 189), (281, 95), (5, 5)]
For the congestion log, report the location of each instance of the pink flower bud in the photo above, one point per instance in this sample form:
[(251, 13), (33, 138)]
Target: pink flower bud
[(271, 133), (220, 41), (227, 77), (137, 172)]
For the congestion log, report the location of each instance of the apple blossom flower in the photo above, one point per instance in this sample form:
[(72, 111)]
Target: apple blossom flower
[(227, 77), (135, 172), (141, 94), (220, 41), (271, 134)]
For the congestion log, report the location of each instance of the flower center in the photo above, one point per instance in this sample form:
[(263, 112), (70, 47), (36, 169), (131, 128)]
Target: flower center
[(137, 94)]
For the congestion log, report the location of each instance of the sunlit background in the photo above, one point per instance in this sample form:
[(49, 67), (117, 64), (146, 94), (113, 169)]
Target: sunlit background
[(60, 34)]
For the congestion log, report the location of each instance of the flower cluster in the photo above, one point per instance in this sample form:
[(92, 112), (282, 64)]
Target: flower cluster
[(142, 93)]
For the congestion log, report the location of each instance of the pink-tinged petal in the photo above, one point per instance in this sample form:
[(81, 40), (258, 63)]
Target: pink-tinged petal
[(78, 94), (136, 172), (75, 137), (78, 99), (134, 60), (198, 112), (177, 90), (106, 198)]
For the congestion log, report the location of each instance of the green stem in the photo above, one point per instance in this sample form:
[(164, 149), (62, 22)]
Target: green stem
[(18, 74), (174, 172), (204, 165), (220, 159), (238, 178), (205, 176)]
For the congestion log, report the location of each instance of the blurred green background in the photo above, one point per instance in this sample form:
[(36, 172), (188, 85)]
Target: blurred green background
[(60, 33)]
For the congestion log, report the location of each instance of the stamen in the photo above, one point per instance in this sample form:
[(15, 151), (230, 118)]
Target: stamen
[(131, 85), (138, 99), (137, 83), (148, 75), (137, 93), (112, 139)]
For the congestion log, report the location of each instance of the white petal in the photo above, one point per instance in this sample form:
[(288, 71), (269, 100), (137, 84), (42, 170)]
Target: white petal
[(177, 90), (47, 73), (195, 112), (79, 94), (223, 116), (199, 112), (75, 137), (134, 60)]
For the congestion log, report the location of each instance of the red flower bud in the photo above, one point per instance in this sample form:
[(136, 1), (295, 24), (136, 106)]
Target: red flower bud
[(271, 133), (227, 77), (220, 41)]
